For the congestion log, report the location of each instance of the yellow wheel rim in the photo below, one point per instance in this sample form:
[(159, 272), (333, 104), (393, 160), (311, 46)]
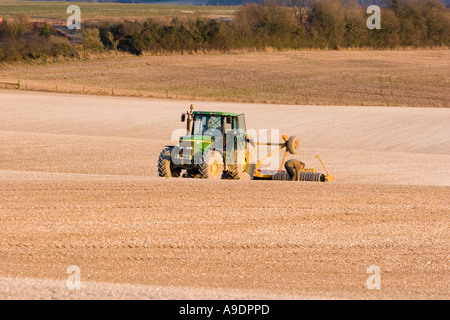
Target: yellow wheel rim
[(214, 168), (246, 162)]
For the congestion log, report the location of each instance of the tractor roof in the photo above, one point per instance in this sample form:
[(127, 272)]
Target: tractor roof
[(214, 113)]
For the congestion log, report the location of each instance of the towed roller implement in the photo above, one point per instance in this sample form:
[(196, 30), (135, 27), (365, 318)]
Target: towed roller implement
[(290, 145)]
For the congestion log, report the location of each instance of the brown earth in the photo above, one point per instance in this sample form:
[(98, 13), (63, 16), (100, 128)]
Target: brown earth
[(79, 186), (408, 78)]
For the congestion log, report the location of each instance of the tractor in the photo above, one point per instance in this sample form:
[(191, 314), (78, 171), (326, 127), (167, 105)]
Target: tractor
[(217, 146)]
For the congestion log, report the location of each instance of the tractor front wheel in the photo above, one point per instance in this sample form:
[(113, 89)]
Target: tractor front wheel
[(212, 165)]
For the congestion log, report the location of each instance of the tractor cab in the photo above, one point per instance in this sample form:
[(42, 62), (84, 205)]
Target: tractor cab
[(207, 123), (217, 128)]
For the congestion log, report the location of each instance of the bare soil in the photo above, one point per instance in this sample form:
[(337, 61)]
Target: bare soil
[(79, 186)]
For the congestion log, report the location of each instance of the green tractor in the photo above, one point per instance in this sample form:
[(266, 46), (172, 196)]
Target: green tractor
[(217, 146)]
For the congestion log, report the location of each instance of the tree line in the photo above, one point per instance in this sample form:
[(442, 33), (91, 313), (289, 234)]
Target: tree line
[(286, 24), (22, 40)]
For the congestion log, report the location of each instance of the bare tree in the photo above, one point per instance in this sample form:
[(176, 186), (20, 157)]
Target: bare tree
[(300, 8), (114, 42), (19, 26)]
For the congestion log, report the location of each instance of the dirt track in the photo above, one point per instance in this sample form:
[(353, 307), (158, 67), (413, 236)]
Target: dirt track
[(78, 186)]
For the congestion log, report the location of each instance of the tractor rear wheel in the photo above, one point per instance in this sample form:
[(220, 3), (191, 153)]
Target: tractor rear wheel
[(212, 165), (244, 164), (166, 167)]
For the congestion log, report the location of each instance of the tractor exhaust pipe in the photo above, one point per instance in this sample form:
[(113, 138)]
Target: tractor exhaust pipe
[(190, 118)]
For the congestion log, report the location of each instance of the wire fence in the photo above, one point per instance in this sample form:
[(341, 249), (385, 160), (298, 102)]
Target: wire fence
[(92, 90), (9, 85)]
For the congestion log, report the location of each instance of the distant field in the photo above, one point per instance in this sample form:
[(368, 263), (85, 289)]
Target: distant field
[(57, 10), (416, 78)]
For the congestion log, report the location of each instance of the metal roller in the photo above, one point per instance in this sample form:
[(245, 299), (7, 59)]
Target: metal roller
[(304, 176), (312, 176), (282, 175)]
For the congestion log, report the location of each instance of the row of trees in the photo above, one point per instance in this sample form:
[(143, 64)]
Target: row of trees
[(22, 40), (326, 24), (286, 24)]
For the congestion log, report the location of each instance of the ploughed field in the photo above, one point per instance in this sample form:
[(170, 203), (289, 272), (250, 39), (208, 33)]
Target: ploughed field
[(79, 187)]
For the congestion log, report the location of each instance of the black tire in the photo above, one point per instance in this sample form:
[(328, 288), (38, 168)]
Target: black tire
[(293, 145), (212, 165), (244, 165), (165, 166)]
